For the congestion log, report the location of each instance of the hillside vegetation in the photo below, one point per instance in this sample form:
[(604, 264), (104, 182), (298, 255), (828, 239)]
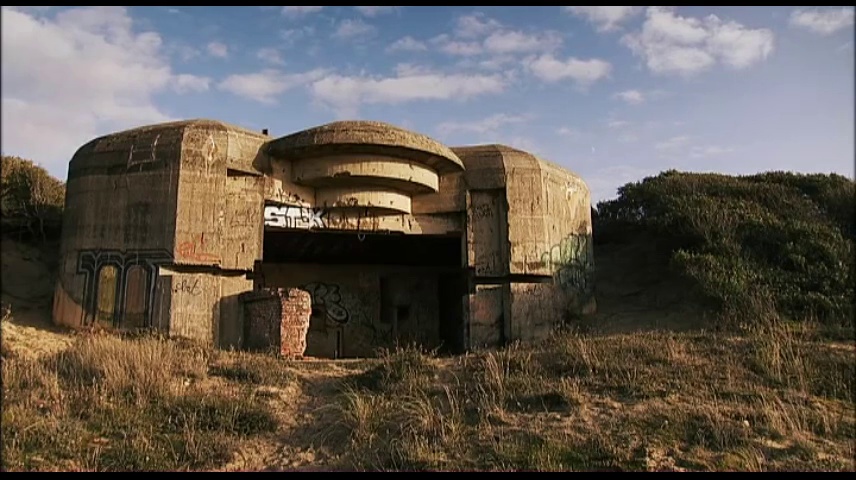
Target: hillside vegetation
[(755, 275), (777, 244), (31, 200)]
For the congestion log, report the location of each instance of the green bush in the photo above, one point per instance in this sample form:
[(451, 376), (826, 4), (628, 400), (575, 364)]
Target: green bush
[(774, 243), (31, 200)]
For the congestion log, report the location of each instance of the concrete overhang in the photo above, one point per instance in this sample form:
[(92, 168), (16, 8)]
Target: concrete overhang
[(364, 164), (365, 137)]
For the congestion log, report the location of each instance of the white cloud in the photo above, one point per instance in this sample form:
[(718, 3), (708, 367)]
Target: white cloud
[(375, 11), (519, 42), (270, 55), (632, 97), (497, 62), (409, 69), (74, 74), (672, 44), (823, 21), (628, 137), (709, 151), (496, 41), (457, 47), (583, 72), (687, 146), (346, 93), (407, 44), (475, 25), (292, 35), (184, 52), (349, 29), (617, 123), (567, 132), (186, 83), (266, 85), (294, 12), (673, 144), (217, 49), (485, 125), (605, 18)]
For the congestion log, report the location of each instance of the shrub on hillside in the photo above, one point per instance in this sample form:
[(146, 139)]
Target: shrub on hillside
[(776, 242), (31, 200)]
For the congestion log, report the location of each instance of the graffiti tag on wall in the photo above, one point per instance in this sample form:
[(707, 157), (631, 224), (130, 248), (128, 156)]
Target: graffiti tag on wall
[(307, 218), (195, 250), (348, 311), (328, 298), (188, 286), (571, 262), (289, 216), (91, 262)]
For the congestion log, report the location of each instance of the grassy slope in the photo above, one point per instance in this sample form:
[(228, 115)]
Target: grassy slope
[(770, 400)]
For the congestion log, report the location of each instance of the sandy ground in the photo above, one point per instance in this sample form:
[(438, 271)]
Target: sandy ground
[(27, 290)]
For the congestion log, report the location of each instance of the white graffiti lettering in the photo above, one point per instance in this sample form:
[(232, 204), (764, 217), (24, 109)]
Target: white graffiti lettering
[(294, 217)]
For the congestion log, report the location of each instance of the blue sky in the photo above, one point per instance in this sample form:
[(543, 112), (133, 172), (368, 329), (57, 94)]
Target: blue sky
[(612, 93)]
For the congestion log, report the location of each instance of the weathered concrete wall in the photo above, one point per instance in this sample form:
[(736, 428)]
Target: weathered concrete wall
[(220, 200), (549, 233), (528, 245), (231, 331), (144, 205), (359, 308), (117, 224)]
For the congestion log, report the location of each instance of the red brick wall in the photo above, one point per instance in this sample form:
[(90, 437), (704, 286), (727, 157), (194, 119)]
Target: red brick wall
[(296, 310), (277, 318)]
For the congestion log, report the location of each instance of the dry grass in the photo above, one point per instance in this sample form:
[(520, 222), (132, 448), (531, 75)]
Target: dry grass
[(115, 404), (772, 399)]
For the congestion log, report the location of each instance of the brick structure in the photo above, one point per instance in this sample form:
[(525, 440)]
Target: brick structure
[(277, 318), (296, 308)]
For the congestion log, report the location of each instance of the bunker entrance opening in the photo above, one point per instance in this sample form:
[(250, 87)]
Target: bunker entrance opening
[(371, 290)]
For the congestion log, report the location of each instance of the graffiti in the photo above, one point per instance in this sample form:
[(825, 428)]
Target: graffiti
[(245, 217), (195, 250), (190, 287), (350, 314), (294, 217), (571, 262), (90, 263), (307, 218), (327, 297), (478, 212), (149, 154)]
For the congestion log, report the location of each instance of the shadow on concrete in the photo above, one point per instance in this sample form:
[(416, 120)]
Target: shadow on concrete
[(231, 329)]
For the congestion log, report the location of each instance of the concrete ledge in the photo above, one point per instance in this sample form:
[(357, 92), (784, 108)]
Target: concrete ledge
[(378, 201), (366, 171), (364, 137)]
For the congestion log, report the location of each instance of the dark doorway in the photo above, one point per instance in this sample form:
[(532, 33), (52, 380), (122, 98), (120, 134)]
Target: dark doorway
[(391, 289), (350, 248), (450, 292)]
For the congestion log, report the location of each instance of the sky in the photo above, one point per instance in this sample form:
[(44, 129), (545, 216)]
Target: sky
[(612, 93)]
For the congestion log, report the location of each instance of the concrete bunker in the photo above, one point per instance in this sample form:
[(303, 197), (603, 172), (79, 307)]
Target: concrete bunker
[(374, 282), (395, 237)]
